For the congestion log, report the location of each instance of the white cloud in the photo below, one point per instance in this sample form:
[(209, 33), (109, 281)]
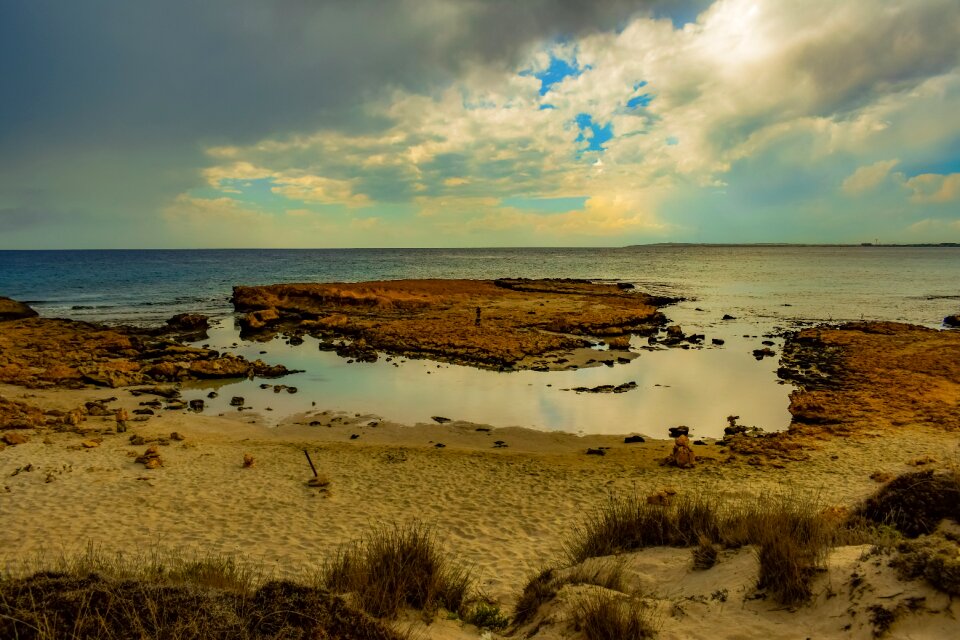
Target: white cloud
[(808, 87), (868, 178), (935, 188)]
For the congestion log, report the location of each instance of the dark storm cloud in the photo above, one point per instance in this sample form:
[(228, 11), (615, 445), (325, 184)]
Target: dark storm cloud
[(238, 70)]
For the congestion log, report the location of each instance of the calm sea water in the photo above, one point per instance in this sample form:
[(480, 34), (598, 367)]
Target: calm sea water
[(766, 288)]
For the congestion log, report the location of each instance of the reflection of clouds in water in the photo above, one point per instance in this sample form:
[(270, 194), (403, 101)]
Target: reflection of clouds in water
[(699, 388)]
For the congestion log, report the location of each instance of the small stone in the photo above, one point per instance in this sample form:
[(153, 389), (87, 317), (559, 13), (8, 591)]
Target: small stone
[(247, 461), (15, 438), (633, 439), (196, 405), (90, 444), (354, 436), (439, 419), (236, 401), (212, 395), (596, 452), (176, 435)]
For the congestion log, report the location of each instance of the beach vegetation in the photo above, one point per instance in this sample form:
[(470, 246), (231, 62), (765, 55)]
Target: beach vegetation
[(603, 615), (396, 566), (112, 597), (791, 536)]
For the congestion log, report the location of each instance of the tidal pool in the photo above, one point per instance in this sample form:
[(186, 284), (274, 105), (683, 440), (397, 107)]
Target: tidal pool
[(695, 387)]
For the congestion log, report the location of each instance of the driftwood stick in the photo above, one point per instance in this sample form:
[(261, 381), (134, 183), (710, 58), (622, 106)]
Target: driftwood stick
[(312, 468)]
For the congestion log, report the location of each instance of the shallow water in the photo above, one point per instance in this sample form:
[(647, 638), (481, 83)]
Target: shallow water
[(696, 387), (767, 288)]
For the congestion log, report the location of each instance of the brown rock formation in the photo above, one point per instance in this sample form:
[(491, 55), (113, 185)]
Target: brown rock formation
[(45, 352), (13, 310), (438, 319)]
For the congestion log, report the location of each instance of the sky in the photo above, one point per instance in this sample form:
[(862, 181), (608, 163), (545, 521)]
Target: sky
[(477, 123)]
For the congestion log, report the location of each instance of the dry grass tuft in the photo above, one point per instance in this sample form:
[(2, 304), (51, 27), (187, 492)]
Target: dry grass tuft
[(398, 566), (791, 536), (604, 616), (100, 597), (543, 586), (628, 523)]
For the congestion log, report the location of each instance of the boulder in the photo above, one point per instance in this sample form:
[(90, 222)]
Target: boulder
[(952, 321), (683, 455), (256, 320), (189, 322), (13, 310), (674, 331), (676, 432), (14, 438)]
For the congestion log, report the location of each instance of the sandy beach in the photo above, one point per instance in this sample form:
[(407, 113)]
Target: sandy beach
[(504, 512)]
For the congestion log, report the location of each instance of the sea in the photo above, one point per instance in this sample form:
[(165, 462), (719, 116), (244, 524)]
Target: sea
[(767, 289)]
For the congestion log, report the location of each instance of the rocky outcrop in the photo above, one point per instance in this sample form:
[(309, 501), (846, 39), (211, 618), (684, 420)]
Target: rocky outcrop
[(439, 319), (13, 310), (872, 375), (43, 352), (189, 322)]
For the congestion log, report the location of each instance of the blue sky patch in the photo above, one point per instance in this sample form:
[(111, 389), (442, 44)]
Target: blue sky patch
[(642, 100), (558, 70), (593, 133)]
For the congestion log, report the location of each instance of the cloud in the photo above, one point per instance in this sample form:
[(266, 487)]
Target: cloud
[(430, 113), (868, 178), (931, 188)]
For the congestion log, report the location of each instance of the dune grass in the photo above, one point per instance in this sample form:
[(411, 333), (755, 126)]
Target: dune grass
[(790, 535), (394, 567), (605, 616), (97, 596)]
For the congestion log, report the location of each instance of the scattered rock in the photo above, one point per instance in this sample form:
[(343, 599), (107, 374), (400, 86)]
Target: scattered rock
[(144, 412), (674, 331), (439, 419), (765, 352), (499, 444), (196, 405), (606, 388), (600, 451), (236, 401), (247, 461), (633, 439), (882, 476), (354, 436), (952, 321), (727, 316), (212, 395), (14, 438), (676, 432), (90, 444), (439, 445), (151, 458), (921, 461), (176, 435), (717, 341)]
